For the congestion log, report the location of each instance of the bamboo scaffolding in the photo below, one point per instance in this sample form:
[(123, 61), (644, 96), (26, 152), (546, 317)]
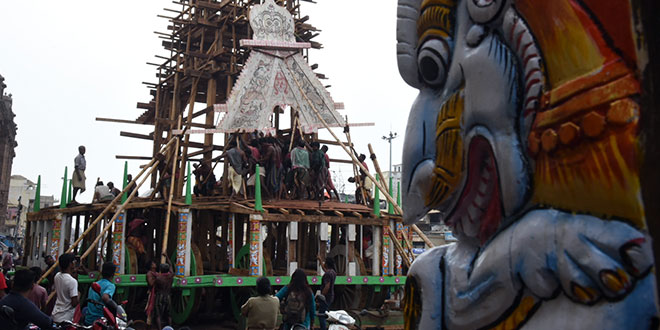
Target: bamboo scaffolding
[(397, 208), (107, 208)]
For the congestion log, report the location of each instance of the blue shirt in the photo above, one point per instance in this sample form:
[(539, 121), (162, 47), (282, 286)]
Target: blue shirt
[(94, 311), (26, 312)]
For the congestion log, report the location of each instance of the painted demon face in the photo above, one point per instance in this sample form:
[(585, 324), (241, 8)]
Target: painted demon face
[(478, 72)]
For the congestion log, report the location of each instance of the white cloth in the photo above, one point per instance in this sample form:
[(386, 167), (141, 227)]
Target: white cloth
[(103, 193), (80, 162), (66, 288), (253, 178)]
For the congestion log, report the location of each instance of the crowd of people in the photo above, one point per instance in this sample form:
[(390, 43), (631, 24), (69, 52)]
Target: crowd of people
[(296, 302), (296, 170), (28, 299)]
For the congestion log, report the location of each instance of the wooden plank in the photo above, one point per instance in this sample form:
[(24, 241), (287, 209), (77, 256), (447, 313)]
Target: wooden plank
[(133, 157), (334, 143), (339, 213), (276, 217), (150, 137), (123, 121), (344, 161)]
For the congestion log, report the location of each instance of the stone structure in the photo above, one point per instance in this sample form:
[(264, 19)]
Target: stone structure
[(7, 145), (22, 193)]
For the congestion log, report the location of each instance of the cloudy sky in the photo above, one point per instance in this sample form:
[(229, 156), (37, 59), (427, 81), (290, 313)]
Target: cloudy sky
[(67, 63)]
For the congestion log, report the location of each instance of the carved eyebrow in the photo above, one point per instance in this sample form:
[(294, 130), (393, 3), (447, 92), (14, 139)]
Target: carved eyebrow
[(436, 19)]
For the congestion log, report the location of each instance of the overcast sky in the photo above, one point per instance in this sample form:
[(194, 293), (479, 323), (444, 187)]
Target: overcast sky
[(67, 63)]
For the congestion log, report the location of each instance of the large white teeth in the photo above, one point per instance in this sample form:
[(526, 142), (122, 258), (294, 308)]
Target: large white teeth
[(483, 186), (486, 174), (468, 228), (479, 200), (474, 212)]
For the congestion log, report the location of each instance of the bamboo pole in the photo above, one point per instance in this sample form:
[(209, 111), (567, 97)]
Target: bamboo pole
[(184, 152), (399, 249), (93, 245), (356, 172), (121, 208), (357, 162), (169, 203), (100, 216), (372, 155)]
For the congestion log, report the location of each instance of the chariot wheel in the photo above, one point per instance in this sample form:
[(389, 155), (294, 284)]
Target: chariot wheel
[(185, 301), (239, 295)]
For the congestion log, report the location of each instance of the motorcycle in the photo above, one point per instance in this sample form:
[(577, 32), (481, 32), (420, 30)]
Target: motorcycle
[(9, 322), (339, 320), (110, 321)]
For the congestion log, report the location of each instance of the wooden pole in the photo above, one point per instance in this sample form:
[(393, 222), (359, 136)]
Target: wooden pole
[(184, 153), (372, 155), (399, 249), (121, 208), (169, 203), (356, 172), (357, 162), (100, 216), (109, 225)]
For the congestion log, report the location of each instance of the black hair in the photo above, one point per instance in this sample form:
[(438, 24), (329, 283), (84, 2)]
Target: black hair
[(315, 144), (301, 143), (362, 156), (164, 268), (263, 286), (110, 184), (330, 263), (99, 183), (37, 273), (108, 270), (324, 148), (10, 249), (23, 281), (299, 284), (66, 259)]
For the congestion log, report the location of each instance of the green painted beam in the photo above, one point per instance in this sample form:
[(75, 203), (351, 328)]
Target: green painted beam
[(239, 281)]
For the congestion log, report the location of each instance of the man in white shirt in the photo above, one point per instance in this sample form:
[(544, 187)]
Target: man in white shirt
[(102, 193), (78, 179), (66, 287)]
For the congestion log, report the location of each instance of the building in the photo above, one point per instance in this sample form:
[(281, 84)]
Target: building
[(396, 178), (7, 146), (22, 192)]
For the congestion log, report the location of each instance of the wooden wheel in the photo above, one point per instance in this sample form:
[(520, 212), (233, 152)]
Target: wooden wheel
[(185, 301), (239, 295), (348, 297)]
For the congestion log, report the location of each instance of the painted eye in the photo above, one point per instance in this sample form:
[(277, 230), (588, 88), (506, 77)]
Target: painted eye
[(484, 11), (432, 62)]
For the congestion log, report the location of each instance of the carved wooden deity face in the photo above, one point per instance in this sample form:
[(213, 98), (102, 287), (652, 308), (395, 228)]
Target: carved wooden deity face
[(523, 104)]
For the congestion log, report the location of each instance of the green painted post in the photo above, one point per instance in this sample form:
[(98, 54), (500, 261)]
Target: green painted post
[(257, 190), (37, 196), (390, 207), (188, 194), (63, 196), (376, 198), (68, 198), (398, 194), (124, 196)]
